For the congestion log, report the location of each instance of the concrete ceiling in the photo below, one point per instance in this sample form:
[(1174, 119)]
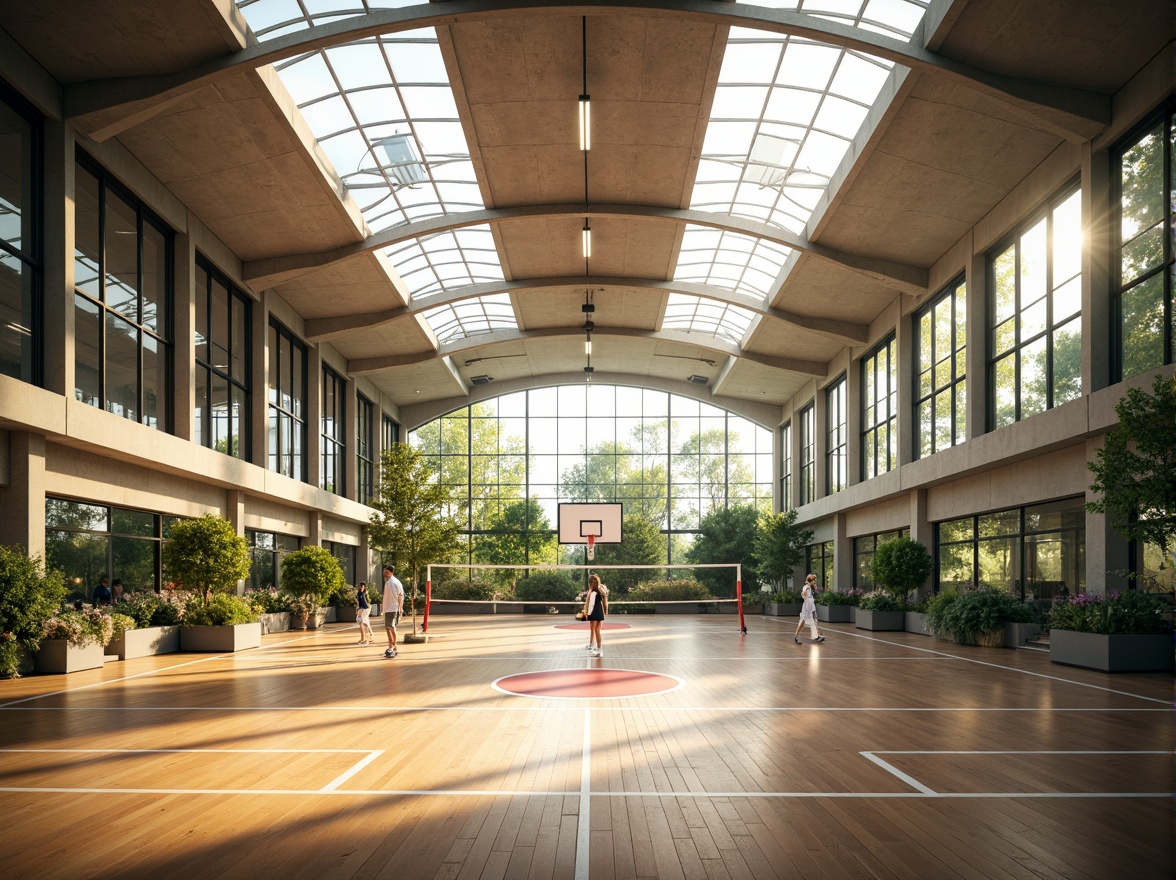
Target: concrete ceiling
[(936, 155)]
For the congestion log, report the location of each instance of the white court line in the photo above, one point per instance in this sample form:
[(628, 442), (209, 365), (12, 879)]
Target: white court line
[(994, 665), (583, 839), (555, 708), (359, 765), (890, 768)]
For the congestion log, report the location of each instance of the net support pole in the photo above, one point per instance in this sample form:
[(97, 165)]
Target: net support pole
[(739, 602), (428, 597)]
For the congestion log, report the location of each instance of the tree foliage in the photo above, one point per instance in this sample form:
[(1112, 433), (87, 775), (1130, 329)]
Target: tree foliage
[(312, 573), (28, 597), (642, 544), (779, 546), (206, 555), (726, 534), (412, 525), (1135, 470), (520, 533), (901, 565)]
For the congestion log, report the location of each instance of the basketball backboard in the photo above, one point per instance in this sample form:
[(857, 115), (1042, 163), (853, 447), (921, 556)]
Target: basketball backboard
[(577, 521)]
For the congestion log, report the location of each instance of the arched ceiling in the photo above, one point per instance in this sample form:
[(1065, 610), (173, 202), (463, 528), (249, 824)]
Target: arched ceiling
[(764, 182)]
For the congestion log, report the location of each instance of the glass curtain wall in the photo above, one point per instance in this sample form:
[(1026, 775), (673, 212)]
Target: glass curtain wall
[(941, 358), (818, 560), (880, 410), (20, 239), (863, 555), (786, 467), (1144, 297), (1037, 554), (122, 301), (667, 458), (837, 438), (334, 448), (222, 377), (365, 449), (287, 403), (808, 453), (266, 552)]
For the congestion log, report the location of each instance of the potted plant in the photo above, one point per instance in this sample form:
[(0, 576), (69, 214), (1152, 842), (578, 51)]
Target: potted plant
[(785, 603), (310, 574), (900, 567), (879, 610), (753, 601), (834, 606), (73, 641), (226, 623), (28, 597), (156, 630), (273, 609), (345, 601), (120, 625), (1127, 631), (975, 617), (915, 615)]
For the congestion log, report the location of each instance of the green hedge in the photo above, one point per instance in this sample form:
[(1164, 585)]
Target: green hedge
[(466, 591), (681, 590), (546, 586)]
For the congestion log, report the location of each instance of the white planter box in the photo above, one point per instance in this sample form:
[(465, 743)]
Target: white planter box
[(57, 657), (220, 639), (1147, 653), (145, 642), (880, 621)]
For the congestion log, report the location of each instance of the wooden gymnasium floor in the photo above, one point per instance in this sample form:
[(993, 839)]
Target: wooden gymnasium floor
[(872, 755)]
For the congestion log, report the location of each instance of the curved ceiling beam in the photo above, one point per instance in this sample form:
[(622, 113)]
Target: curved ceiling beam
[(103, 108), (414, 415), (328, 329), (273, 271), (695, 340)]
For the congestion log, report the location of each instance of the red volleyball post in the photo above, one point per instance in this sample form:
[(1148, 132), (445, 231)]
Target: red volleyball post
[(428, 598), (739, 599)]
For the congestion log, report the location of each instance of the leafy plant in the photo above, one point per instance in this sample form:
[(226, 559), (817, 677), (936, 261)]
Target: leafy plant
[(755, 597), (836, 597), (344, 597), (1135, 470), (546, 586), (879, 600), (1131, 612), (964, 617), (28, 597), (677, 590), (901, 565), (269, 601), (726, 534), (206, 555), (466, 591), (313, 573), (120, 623), (412, 524), (80, 628), (779, 546), (222, 609), (784, 597)]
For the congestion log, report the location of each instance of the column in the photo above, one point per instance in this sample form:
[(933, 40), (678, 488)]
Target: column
[(23, 500), (184, 391), (58, 324)]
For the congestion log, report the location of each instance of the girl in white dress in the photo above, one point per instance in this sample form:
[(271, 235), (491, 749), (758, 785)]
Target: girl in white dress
[(808, 611)]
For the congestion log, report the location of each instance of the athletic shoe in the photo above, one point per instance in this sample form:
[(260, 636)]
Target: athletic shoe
[(820, 638), (389, 653), (797, 639)]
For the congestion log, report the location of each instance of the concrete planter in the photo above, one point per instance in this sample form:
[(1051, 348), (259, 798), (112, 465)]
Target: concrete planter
[(314, 621), (145, 642), (57, 657), (344, 614), (328, 614), (1016, 634), (277, 622), (1123, 653), (881, 621), (783, 609), (835, 613), (220, 639), (916, 622), (753, 608)]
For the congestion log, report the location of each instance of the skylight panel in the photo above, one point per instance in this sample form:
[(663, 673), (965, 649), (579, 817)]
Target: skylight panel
[(728, 259), (433, 264), (473, 317), (697, 315), (786, 110)]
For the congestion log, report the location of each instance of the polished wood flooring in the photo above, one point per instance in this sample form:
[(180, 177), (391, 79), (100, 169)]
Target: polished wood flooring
[(872, 755)]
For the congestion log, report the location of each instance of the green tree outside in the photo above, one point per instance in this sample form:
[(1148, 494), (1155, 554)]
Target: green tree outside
[(779, 546), (727, 534)]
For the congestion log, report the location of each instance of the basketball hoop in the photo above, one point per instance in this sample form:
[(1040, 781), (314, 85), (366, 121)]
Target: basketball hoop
[(591, 547)]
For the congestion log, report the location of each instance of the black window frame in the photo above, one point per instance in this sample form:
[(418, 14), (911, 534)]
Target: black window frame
[(872, 426), (956, 292), (245, 420)]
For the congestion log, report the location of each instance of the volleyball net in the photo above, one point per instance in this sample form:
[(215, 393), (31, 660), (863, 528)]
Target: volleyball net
[(475, 588)]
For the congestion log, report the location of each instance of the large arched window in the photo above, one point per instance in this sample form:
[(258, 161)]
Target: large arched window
[(514, 458)]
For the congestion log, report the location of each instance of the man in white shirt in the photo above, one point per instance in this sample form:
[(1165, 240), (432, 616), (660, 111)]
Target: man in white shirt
[(393, 603)]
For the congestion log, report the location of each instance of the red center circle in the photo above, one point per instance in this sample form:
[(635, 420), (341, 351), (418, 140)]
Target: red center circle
[(587, 684)]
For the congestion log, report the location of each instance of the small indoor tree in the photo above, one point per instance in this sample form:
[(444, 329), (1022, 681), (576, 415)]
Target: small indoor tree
[(1135, 470), (312, 574), (726, 534), (28, 597), (779, 546), (412, 525), (901, 565), (206, 555)]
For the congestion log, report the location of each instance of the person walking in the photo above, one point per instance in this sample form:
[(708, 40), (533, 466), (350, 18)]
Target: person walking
[(393, 603), (808, 611), (596, 608), (362, 612)]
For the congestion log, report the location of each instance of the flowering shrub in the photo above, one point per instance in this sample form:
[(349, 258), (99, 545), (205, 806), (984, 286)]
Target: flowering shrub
[(879, 600), (119, 624), (80, 628), (223, 609), (1131, 612), (269, 601), (152, 609), (28, 595), (966, 616)]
